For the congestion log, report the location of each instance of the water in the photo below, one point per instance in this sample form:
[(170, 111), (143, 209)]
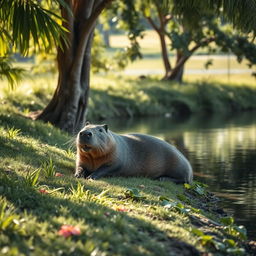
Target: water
[(222, 151)]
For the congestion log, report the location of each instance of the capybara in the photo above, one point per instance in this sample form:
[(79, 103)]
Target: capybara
[(101, 153)]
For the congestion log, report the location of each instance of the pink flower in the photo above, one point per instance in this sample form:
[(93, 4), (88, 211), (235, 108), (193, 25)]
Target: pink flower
[(69, 230), (121, 209), (58, 174), (43, 191)]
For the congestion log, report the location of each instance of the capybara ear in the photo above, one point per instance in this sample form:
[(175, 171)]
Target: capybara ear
[(87, 123), (105, 126)]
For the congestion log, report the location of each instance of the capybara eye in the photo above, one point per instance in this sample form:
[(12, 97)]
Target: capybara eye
[(100, 130)]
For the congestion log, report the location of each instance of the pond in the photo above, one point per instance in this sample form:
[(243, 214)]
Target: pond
[(222, 151)]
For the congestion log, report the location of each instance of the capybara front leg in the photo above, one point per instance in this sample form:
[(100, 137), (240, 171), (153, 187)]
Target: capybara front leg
[(81, 172)]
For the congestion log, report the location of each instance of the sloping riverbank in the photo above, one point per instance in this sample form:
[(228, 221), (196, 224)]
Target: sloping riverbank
[(149, 97), (44, 210)]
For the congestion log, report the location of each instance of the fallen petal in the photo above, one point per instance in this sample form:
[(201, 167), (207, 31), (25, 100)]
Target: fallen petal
[(121, 209), (68, 230), (43, 191), (58, 174)]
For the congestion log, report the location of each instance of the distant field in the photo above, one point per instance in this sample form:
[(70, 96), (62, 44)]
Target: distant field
[(224, 68)]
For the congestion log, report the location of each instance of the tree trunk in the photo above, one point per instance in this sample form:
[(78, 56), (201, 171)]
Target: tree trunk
[(68, 106), (177, 72), (165, 56)]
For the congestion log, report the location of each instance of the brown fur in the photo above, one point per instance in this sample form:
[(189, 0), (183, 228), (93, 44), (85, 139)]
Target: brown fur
[(94, 158)]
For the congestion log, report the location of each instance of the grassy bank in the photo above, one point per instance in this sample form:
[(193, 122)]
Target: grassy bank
[(116, 96), (134, 97), (114, 216)]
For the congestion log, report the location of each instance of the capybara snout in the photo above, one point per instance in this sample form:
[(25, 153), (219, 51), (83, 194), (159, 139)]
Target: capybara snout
[(85, 136)]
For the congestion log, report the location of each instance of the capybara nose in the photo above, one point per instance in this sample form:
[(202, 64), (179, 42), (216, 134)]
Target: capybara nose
[(86, 134)]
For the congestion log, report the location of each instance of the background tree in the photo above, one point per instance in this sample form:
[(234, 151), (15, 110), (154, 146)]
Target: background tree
[(21, 21), (185, 34)]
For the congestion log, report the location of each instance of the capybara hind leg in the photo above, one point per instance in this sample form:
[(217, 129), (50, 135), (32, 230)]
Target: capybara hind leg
[(166, 178), (104, 171)]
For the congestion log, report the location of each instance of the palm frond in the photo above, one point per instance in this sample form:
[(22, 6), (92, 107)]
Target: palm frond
[(27, 22), (12, 74)]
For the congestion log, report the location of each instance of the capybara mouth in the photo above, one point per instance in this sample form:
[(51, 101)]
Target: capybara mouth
[(85, 148)]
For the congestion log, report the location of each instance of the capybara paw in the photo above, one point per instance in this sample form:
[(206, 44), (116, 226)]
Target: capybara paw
[(79, 175)]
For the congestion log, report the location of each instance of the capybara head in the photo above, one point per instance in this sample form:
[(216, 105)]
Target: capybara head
[(94, 138)]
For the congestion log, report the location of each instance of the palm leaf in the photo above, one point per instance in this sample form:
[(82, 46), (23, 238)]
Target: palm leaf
[(12, 74), (29, 23)]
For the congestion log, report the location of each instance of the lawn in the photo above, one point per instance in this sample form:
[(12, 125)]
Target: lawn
[(44, 210)]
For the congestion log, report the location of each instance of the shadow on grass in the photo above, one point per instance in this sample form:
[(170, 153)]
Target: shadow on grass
[(25, 153), (40, 131), (115, 232)]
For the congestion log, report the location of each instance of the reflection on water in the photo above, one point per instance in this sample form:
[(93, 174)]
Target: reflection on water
[(222, 151)]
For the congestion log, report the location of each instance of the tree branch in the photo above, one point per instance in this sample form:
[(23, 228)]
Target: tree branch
[(205, 41), (152, 23), (161, 17), (185, 58)]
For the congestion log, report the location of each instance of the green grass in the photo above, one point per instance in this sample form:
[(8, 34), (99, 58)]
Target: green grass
[(120, 97), (117, 96), (115, 216), (111, 221)]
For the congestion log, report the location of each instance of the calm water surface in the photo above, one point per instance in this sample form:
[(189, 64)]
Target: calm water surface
[(222, 151)]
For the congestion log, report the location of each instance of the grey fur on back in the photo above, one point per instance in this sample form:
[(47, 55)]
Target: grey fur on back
[(144, 155)]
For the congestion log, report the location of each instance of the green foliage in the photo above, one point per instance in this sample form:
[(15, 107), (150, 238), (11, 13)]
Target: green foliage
[(9, 221), (239, 13), (28, 22), (232, 229), (70, 153), (133, 193), (178, 206), (197, 188), (12, 74), (24, 24), (48, 168), (100, 61), (78, 192), (32, 178), (226, 246), (128, 19), (13, 133)]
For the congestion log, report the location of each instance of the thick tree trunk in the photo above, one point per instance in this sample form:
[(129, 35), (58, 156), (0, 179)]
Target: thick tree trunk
[(68, 106)]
